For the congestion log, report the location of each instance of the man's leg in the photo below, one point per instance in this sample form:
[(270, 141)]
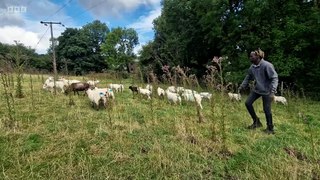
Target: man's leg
[(267, 110), (250, 100)]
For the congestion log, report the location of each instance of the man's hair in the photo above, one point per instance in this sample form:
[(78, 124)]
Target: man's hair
[(259, 53)]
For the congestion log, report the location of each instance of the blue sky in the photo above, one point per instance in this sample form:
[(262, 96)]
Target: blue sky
[(20, 19)]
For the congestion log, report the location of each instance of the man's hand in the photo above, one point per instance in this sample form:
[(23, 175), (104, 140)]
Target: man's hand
[(271, 96)]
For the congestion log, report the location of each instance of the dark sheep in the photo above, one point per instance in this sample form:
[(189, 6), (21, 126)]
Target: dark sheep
[(134, 89), (76, 87)]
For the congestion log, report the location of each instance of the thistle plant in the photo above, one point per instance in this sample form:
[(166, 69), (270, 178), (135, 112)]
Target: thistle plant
[(167, 77), (9, 100), (191, 81), (194, 81), (152, 79), (218, 61), (210, 81), (31, 88), (19, 62)]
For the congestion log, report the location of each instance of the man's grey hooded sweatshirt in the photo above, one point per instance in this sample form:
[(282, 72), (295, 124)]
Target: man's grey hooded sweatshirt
[(265, 77)]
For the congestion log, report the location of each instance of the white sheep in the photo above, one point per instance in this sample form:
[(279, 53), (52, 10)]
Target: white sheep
[(98, 99), (171, 89), (189, 91), (174, 89), (280, 99), (50, 86), (205, 95), (160, 92), (180, 89), (93, 83), (148, 86), (109, 92), (61, 84), (67, 82), (234, 96), (50, 79), (116, 87), (145, 92), (173, 97), (192, 97)]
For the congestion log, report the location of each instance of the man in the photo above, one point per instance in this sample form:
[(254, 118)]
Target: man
[(266, 82)]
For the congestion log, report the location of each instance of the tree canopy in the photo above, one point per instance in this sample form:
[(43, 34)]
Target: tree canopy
[(79, 49), (12, 56), (118, 47), (190, 33)]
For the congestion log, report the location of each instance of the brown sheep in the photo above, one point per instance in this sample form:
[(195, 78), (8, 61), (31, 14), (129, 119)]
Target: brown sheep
[(76, 87)]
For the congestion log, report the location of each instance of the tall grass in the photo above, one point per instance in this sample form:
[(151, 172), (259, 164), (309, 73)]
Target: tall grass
[(58, 141)]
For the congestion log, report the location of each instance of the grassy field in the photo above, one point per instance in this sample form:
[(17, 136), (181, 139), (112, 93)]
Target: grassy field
[(151, 139)]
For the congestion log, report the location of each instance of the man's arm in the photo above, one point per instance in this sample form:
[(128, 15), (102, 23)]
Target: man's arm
[(246, 80), (273, 75)]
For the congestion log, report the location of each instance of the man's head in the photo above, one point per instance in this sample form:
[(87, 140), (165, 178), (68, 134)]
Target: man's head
[(256, 56)]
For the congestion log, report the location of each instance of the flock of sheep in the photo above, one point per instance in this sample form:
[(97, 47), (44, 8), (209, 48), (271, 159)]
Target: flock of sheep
[(174, 94), (99, 96)]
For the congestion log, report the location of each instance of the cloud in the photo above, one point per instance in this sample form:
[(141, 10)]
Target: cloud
[(25, 26), (144, 27), (9, 34), (37, 38), (44, 10), (10, 13), (115, 8), (42, 40), (16, 12), (144, 23), (11, 19), (120, 8)]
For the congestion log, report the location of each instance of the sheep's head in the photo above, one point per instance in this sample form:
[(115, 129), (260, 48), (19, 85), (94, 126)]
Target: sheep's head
[(133, 88)]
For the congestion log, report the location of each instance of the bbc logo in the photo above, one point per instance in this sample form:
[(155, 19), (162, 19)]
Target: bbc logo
[(16, 9)]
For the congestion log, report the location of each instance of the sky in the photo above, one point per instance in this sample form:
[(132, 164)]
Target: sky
[(20, 19)]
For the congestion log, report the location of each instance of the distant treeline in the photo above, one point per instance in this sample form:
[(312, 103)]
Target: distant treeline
[(190, 33)]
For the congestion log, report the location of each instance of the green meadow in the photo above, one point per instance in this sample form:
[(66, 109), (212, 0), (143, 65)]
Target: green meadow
[(44, 136)]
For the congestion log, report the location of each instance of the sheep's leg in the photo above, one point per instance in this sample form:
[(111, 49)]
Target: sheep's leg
[(200, 105), (92, 104)]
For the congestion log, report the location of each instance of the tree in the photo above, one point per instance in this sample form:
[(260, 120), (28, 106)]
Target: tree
[(40, 62), (73, 46), (191, 32), (118, 48), (182, 36), (96, 33), (81, 48)]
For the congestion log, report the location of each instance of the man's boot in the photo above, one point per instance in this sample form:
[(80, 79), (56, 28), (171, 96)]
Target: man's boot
[(269, 129), (256, 124)]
